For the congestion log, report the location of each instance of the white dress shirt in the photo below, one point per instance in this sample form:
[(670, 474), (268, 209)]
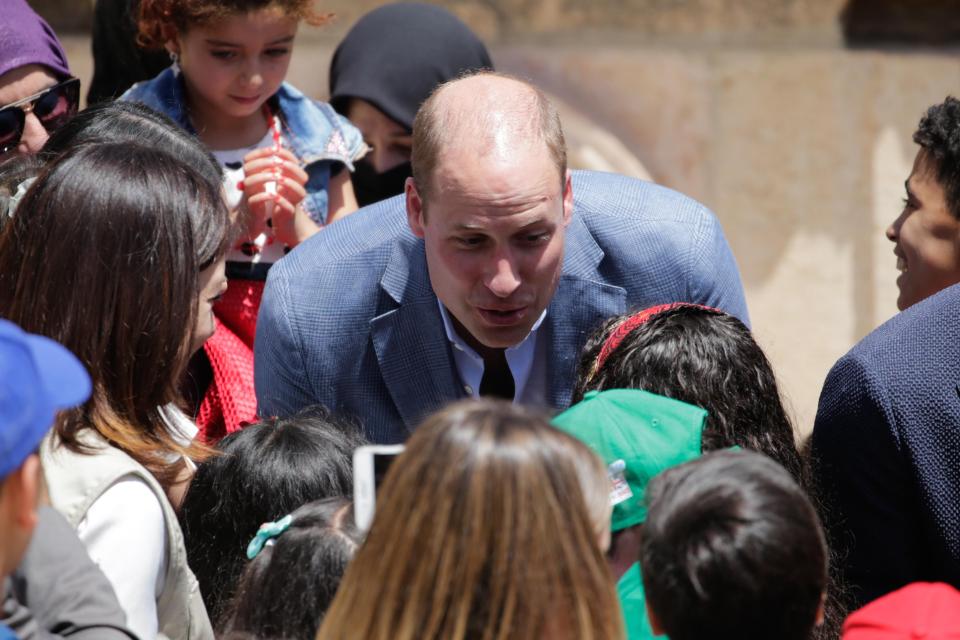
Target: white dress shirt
[(526, 360)]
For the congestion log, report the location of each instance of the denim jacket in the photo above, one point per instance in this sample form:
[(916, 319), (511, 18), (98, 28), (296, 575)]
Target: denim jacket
[(316, 134)]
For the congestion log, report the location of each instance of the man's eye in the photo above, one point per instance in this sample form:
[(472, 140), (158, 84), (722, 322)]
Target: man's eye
[(276, 53), (469, 242), (536, 238)]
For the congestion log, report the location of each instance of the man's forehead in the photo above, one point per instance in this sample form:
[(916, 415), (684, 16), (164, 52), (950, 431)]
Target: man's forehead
[(469, 164), (480, 213)]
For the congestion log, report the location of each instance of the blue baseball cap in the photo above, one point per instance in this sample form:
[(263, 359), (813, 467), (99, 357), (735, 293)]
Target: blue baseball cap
[(38, 377)]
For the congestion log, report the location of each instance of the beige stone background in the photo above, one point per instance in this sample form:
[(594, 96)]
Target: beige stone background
[(791, 119)]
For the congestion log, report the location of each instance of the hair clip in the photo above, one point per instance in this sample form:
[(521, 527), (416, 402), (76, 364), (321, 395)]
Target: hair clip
[(265, 535), (17, 196)]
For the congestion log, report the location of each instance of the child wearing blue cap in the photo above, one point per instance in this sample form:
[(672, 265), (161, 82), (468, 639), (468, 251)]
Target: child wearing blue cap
[(39, 377)]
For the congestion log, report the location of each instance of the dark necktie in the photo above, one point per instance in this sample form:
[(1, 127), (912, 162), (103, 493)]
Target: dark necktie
[(497, 380)]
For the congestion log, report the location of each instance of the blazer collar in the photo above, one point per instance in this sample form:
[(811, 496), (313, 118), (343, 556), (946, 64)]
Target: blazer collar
[(409, 340), (582, 301)]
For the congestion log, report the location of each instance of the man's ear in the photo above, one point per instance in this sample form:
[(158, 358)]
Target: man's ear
[(820, 609), (414, 207), (567, 198), (655, 625)]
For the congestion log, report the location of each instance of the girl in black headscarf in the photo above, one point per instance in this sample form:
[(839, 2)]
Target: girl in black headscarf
[(388, 64)]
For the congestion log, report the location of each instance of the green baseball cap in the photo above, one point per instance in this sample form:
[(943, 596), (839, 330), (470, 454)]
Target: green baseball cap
[(637, 434)]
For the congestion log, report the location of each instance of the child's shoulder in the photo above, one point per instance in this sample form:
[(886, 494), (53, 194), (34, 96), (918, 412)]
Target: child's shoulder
[(162, 93), (319, 132)]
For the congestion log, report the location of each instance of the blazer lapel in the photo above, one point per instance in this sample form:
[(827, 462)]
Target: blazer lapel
[(409, 340), (581, 302)]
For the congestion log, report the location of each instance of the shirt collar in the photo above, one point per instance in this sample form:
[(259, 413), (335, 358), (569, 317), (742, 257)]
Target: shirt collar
[(459, 343)]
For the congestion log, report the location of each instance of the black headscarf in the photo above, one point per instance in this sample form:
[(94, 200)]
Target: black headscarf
[(395, 56)]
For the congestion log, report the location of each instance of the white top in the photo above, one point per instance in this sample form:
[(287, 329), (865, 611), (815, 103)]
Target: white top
[(126, 537), (232, 162), (527, 363)]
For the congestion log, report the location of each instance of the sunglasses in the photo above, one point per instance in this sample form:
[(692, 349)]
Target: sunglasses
[(52, 107)]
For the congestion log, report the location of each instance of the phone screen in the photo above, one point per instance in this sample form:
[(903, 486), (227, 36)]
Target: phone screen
[(381, 462), (370, 466)]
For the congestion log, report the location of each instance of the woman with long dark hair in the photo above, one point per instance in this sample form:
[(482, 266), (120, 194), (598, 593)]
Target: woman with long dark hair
[(105, 254)]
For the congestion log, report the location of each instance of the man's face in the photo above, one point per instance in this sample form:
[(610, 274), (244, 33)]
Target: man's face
[(926, 237), (493, 230)]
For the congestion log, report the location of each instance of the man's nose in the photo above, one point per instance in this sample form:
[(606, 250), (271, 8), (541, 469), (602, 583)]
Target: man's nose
[(34, 135), (503, 278)]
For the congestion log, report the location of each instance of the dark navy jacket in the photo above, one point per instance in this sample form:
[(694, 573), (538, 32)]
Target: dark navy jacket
[(886, 446)]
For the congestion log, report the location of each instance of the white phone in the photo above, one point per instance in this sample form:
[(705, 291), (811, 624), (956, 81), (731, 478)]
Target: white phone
[(370, 464)]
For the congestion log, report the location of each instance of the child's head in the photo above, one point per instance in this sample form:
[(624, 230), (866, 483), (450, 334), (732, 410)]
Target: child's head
[(701, 356), (233, 54), (637, 435), (297, 564), (262, 472), (38, 377), (161, 20), (732, 548)]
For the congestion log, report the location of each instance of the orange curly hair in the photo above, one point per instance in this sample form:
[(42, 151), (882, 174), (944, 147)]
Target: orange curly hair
[(161, 20)]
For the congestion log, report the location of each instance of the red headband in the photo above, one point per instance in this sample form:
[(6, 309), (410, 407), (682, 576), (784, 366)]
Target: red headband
[(619, 334)]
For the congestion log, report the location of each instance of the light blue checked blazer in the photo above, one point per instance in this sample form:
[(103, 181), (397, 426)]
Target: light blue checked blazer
[(349, 318)]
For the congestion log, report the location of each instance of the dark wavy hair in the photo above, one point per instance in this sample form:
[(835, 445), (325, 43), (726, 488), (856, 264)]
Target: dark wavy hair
[(101, 257), (261, 473), (285, 591), (939, 135), (732, 548), (703, 357), (709, 358)]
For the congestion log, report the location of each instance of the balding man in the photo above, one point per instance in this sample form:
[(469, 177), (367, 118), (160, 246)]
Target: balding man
[(485, 278)]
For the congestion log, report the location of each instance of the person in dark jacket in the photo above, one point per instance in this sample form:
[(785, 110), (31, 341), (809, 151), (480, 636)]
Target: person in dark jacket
[(886, 441)]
